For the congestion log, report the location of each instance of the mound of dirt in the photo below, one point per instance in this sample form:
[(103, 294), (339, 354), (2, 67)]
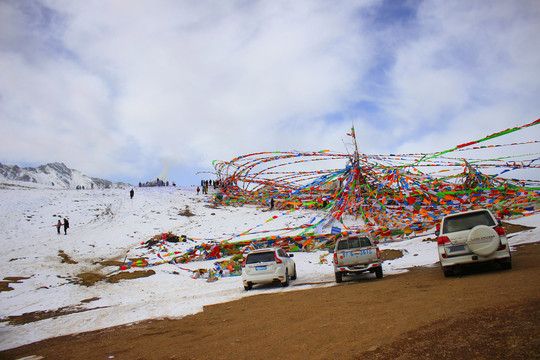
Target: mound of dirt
[(391, 254), (65, 258), (88, 279), (130, 275), (186, 212)]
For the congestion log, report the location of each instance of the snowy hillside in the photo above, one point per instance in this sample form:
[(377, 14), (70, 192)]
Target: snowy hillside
[(43, 270), (55, 175)]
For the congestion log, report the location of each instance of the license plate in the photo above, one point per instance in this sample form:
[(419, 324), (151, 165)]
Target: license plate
[(359, 267), (260, 268), (362, 252), (456, 248)]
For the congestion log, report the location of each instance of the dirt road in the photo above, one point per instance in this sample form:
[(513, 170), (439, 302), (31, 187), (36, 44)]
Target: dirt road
[(482, 313)]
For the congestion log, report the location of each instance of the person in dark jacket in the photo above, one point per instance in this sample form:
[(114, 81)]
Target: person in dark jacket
[(66, 226), (132, 193)]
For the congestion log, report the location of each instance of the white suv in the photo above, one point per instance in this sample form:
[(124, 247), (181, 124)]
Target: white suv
[(470, 237), (268, 265)]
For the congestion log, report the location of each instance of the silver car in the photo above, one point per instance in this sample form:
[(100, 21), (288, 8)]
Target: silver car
[(355, 254), (471, 237), (263, 266)]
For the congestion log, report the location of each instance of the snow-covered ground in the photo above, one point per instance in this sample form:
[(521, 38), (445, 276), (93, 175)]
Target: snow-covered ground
[(108, 225)]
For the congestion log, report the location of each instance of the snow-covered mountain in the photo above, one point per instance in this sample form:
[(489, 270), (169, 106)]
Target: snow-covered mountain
[(56, 175)]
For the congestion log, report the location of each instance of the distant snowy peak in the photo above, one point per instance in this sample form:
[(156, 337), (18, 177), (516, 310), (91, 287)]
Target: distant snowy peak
[(56, 175)]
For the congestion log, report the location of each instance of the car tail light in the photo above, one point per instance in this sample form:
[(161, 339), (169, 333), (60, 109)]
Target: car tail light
[(244, 263), (499, 230), (441, 240), (335, 259), (278, 260), (378, 254)]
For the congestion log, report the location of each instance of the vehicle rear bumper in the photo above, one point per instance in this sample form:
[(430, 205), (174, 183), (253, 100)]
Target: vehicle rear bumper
[(473, 258), (355, 269), (263, 278)]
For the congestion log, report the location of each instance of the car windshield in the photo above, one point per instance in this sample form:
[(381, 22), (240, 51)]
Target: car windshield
[(260, 257), (353, 243), (467, 221)]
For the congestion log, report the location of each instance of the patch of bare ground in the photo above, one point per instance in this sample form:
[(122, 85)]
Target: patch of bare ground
[(513, 228), (65, 257), (95, 298), (186, 212), (124, 275), (485, 313), (504, 332), (4, 284), (90, 279), (110, 263), (42, 315)]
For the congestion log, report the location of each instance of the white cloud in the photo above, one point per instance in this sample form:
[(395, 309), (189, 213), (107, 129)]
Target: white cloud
[(471, 58), (208, 82), (149, 86)]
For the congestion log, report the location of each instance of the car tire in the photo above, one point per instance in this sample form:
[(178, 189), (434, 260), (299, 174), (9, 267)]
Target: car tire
[(293, 277), (483, 240), (448, 271), (378, 272), (339, 277), (506, 264), (286, 282), (248, 287)]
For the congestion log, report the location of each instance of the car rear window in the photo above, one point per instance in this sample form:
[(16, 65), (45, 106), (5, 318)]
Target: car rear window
[(467, 221), (260, 257), (353, 243)]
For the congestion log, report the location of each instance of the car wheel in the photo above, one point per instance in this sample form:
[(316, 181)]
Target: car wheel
[(248, 287), (483, 240), (293, 277), (339, 277), (448, 271), (378, 272), (286, 282), (506, 264)]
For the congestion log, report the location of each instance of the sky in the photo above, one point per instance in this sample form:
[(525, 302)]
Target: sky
[(134, 90)]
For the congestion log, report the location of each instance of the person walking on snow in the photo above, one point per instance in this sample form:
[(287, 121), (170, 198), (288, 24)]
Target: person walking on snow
[(66, 226), (58, 226), (131, 193), (198, 189)]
